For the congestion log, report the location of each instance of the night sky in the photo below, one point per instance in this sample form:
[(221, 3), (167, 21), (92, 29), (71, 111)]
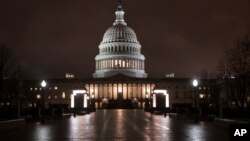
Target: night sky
[(52, 37)]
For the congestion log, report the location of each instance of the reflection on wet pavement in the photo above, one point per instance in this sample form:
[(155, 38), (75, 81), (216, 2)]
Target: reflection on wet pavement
[(118, 125)]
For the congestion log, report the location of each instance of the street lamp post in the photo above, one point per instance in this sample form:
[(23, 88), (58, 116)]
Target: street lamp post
[(195, 84), (43, 84), (38, 96)]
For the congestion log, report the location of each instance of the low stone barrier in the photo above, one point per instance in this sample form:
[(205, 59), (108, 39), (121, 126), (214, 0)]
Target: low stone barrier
[(11, 124)]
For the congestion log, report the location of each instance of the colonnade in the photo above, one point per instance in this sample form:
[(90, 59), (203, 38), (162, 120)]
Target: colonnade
[(112, 49), (121, 90), (117, 63)]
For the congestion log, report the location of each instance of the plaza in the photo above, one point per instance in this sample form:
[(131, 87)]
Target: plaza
[(119, 125)]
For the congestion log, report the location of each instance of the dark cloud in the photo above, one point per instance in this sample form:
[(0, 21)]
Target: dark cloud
[(52, 37)]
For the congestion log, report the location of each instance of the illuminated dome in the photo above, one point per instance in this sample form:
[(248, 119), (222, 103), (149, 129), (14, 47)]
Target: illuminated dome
[(119, 33), (119, 51)]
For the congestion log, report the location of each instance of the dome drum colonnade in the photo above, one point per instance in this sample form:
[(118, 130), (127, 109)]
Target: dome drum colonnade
[(120, 52)]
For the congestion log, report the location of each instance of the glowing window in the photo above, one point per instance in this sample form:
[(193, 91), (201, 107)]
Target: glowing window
[(38, 96), (63, 95), (202, 96)]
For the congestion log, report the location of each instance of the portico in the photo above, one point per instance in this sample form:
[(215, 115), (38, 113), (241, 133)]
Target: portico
[(105, 92)]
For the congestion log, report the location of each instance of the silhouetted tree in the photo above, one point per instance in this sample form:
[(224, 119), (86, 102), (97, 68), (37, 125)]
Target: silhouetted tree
[(6, 71), (11, 80), (234, 68)]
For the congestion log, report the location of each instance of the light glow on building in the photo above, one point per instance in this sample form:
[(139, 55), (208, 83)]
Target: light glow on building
[(154, 100), (69, 76), (85, 100), (75, 92), (161, 91)]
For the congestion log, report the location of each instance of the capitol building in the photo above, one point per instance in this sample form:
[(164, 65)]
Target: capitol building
[(120, 79)]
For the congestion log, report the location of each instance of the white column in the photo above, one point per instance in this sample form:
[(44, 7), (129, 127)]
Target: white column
[(133, 63), (137, 64), (106, 64), (112, 64), (100, 63), (129, 63), (142, 64), (103, 65), (123, 63), (109, 63), (97, 64)]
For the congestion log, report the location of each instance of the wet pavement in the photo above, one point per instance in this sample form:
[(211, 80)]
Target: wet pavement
[(118, 125)]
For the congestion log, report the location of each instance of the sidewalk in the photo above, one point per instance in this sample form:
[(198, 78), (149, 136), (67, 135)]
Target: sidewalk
[(11, 124), (236, 121), (226, 120)]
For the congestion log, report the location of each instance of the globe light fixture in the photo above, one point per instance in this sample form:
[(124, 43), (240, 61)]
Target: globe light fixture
[(195, 82), (43, 83)]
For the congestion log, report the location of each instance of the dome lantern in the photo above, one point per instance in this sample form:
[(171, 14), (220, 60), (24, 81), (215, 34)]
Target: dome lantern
[(119, 15)]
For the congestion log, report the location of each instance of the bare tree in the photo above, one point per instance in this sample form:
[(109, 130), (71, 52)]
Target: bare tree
[(11, 80), (6, 70), (235, 71)]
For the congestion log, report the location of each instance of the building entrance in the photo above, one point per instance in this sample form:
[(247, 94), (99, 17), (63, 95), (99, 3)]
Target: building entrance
[(119, 95), (120, 103)]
